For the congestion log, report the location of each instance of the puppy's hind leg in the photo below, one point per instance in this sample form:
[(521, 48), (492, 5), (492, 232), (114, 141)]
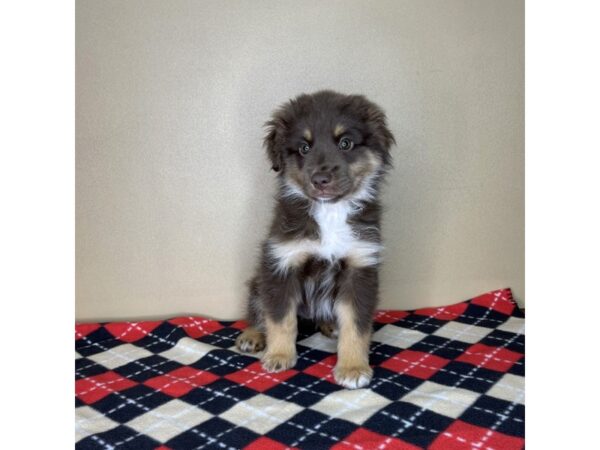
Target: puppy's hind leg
[(251, 340)]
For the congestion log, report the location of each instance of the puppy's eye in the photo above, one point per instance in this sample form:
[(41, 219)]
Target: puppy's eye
[(346, 144), (304, 148)]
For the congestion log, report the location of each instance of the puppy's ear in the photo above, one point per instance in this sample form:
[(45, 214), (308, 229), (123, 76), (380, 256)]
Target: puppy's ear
[(273, 141), (381, 132)]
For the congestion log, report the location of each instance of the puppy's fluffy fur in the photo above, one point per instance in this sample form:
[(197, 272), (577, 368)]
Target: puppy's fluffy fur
[(320, 260)]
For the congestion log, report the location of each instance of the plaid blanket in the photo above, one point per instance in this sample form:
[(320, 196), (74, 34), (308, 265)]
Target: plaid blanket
[(445, 378)]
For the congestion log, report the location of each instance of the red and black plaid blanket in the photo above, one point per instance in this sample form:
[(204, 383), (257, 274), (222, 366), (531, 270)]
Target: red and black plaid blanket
[(445, 378)]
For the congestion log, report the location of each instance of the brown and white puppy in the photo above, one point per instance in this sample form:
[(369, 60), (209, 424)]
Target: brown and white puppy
[(320, 260)]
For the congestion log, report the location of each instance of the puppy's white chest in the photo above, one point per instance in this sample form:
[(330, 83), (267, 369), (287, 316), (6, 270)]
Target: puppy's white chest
[(336, 236), (336, 241)]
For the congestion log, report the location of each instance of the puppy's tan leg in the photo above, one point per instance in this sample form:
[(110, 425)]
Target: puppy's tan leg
[(352, 369), (281, 343), (251, 340)]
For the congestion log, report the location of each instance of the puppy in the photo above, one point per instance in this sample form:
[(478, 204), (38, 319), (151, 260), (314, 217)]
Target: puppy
[(320, 260)]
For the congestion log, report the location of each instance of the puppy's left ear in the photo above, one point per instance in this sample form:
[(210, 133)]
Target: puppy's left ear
[(381, 132), (273, 141)]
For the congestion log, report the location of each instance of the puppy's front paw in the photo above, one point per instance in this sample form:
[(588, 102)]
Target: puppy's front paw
[(278, 362), (251, 341), (353, 377)]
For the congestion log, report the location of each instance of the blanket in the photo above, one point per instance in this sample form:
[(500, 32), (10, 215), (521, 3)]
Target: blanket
[(445, 378)]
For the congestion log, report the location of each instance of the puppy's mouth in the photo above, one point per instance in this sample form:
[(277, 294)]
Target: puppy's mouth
[(322, 195), (325, 194), (337, 191)]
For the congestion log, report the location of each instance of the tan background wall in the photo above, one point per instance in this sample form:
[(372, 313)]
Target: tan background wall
[(173, 188)]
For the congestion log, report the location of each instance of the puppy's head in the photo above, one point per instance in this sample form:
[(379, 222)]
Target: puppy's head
[(328, 146)]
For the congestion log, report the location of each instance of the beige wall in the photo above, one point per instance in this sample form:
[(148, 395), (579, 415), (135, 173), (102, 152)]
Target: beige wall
[(173, 188)]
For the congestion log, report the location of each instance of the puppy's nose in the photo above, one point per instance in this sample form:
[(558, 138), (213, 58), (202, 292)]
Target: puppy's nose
[(320, 180)]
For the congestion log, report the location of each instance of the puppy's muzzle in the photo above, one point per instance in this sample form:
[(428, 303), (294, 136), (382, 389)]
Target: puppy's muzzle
[(321, 180)]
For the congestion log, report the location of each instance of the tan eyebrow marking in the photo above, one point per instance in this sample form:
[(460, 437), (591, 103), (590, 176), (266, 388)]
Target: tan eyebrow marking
[(339, 129), (307, 135)]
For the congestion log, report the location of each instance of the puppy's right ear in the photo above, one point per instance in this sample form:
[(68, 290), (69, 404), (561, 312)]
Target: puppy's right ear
[(274, 141)]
